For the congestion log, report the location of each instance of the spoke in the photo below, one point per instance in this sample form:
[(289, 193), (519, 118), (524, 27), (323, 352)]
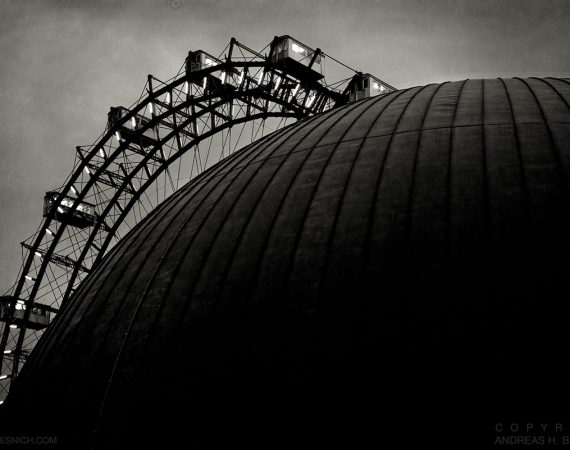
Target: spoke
[(146, 153)]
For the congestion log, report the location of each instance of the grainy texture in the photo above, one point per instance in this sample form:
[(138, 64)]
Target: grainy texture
[(402, 244)]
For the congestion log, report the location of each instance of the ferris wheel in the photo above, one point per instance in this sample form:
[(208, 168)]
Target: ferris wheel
[(176, 130)]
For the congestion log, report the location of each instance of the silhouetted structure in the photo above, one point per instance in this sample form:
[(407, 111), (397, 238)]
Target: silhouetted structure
[(413, 244)]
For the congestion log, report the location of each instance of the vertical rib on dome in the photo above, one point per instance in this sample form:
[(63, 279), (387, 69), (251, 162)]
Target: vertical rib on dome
[(421, 235)]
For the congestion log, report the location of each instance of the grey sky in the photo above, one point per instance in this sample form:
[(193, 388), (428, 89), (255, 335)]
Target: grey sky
[(65, 62)]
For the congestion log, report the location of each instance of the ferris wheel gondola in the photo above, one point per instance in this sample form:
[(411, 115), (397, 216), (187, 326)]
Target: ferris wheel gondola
[(176, 130)]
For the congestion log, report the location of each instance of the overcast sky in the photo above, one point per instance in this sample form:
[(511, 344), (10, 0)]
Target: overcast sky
[(63, 63)]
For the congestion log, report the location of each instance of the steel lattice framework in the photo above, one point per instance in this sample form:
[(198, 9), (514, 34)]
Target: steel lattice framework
[(176, 130)]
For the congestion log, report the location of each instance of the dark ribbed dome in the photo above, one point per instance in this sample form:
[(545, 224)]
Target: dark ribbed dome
[(421, 235)]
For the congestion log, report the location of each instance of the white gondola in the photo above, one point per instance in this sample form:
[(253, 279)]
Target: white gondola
[(365, 86), (39, 316), (83, 216), (297, 59), (213, 81), (129, 128)]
